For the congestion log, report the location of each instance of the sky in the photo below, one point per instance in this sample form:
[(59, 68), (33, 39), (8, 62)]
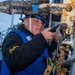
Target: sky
[(5, 20)]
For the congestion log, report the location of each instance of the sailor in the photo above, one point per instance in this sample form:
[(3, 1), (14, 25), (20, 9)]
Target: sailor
[(24, 49)]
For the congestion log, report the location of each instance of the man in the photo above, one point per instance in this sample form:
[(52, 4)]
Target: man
[(24, 49)]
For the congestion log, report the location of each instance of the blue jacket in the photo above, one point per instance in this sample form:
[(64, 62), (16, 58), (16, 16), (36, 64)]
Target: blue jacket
[(36, 68)]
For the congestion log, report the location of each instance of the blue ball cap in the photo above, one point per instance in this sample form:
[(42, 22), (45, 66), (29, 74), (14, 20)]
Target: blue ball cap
[(39, 17)]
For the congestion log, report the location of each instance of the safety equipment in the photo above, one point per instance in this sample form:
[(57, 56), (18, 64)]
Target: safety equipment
[(36, 68)]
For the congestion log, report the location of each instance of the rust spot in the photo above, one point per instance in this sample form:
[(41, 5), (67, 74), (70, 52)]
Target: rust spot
[(71, 18), (73, 3)]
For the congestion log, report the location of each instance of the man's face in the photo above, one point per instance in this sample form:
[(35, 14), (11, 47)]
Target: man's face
[(36, 25)]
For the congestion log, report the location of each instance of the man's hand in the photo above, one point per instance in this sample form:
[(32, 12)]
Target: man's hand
[(49, 35)]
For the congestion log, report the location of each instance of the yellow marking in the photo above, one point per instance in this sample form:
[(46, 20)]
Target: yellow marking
[(12, 49)]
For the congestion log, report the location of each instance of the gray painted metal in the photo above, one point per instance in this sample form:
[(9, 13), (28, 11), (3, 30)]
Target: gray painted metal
[(72, 58)]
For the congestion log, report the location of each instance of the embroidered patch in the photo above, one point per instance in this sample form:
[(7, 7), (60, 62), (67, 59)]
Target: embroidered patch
[(12, 49), (28, 38)]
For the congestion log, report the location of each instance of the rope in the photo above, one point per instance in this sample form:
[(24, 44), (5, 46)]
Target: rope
[(60, 61)]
